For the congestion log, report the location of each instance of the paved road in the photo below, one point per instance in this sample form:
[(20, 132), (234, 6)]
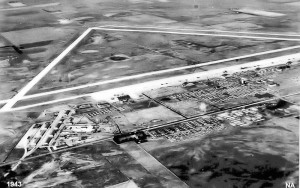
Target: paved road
[(204, 30), (166, 71), (202, 34), (135, 89), (21, 94), (45, 71), (150, 128)]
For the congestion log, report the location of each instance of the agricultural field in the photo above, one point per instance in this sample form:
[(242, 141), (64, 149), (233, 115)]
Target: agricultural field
[(236, 155), (149, 93)]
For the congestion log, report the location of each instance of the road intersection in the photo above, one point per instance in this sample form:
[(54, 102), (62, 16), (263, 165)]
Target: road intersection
[(21, 95)]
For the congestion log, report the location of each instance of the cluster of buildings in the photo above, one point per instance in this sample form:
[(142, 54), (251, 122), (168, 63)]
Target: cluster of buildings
[(45, 134), (220, 96), (87, 122), (92, 110), (261, 77), (136, 136), (187, 130), (221, 91), (207, 124), (83, 123), (241, 117)]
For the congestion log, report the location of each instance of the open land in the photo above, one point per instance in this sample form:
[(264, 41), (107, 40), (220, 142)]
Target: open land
[(170, 116), (166, 104), (72, 18), (98, 165), (107, 55), (158, 93), (242, 157)]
